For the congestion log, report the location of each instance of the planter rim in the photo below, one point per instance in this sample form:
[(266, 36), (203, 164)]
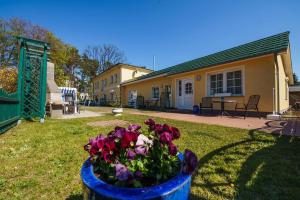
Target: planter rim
[(100, 187)]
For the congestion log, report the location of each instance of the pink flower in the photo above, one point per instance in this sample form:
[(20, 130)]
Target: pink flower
[(150, 122), (122, 172), (130, 154), (133, 127), (165, 138), (128, 139), (158, 129), (141, 150), (94, 145), (175, 132), (190, 161), (167, 128), (119, 132), (173, 149), (108, 157)]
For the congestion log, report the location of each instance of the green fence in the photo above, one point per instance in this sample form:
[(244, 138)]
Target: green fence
[(9, 110), (30, 99)]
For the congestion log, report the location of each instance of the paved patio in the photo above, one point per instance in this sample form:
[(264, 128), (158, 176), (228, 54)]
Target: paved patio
[(238, 122), (83, 114), (288, 126)]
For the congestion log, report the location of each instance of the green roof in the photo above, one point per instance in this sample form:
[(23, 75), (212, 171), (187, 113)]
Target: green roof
[(268, 45)]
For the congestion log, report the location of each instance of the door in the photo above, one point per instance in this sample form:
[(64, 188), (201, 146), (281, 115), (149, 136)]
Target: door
[(185, 94), (132, 96), (168, 96)]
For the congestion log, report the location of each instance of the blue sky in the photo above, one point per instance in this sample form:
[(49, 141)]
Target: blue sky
[(173, 30)]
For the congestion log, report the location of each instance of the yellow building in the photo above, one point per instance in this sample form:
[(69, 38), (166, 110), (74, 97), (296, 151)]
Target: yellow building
[(106, 85), (262, 67)]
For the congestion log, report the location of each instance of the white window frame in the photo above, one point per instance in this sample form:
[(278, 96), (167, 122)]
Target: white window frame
[(224, 72), (191, 91)]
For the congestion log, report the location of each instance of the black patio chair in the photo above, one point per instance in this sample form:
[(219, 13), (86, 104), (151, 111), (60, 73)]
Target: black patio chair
[(207, 103), (140, 102), (251, 105)]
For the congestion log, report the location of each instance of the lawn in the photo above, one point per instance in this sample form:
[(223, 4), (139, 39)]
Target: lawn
[(43, 161)]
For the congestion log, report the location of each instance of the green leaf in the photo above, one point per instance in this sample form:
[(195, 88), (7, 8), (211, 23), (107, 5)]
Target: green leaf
[(137, 184)]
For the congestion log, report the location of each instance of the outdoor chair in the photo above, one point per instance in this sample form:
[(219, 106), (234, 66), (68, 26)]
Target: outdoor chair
[(140, 102), (207, 103), (251, 105)]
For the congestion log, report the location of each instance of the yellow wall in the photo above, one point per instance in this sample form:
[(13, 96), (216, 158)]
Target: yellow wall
[(124, 73), (145, 88), (258, 76), (130, 73), (283, 91), (109, 86)]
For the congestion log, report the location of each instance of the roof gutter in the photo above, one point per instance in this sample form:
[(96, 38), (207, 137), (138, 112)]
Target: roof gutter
[(137, 81)]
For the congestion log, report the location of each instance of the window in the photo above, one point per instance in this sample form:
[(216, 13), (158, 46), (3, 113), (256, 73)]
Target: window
[(188, 88), (111, 79), (116, 78), (234, 82), (216, 84), (111, 96), (226, 82), (179, 88), (155, 92)]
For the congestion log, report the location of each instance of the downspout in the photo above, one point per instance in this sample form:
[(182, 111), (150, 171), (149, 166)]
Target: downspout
[(277, 84)]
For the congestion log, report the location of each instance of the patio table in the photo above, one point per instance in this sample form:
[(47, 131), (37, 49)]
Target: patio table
[(222, 102)]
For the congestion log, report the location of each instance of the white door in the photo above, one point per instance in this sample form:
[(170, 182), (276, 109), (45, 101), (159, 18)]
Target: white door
[(185, 94)]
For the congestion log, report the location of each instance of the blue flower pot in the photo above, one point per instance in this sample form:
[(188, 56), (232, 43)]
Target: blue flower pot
[(177, 188)]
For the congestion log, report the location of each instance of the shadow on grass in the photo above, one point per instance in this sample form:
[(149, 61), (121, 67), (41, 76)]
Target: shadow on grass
[(261, 167), (75, 197)]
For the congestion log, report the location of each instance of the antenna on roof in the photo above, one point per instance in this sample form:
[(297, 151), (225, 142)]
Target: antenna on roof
[(153, 63)]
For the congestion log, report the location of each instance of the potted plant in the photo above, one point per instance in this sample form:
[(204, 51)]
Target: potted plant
[(131, 164)]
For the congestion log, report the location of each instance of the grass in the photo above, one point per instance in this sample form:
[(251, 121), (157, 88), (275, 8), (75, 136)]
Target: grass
[(43, 161)]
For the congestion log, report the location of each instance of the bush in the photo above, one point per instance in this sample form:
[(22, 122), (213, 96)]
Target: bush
[(9, 79)]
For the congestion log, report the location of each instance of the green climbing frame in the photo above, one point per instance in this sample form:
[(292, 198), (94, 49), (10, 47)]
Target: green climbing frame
[(32, 79)]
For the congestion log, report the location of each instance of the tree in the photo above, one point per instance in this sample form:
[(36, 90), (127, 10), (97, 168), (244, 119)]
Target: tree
[(8, 43), (58, 56), (9, 47), (72, 65), (88, 71), (296, 80), (106, 55)]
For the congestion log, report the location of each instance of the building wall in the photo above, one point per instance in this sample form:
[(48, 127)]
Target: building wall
[(283, 86), (258, 77), (124, 73), (99, 92), (130, 73), (145, 88)]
